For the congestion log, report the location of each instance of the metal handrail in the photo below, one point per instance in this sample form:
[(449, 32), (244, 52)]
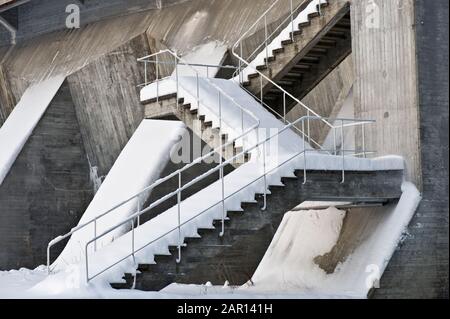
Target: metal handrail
[(275, 31), (168, 177), (304, 151)]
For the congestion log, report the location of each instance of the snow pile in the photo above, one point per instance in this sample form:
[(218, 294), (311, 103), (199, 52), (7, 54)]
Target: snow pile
[(211, 53), (23, 119), (289, 261), (276, 43), (139, 164), (287, 270)]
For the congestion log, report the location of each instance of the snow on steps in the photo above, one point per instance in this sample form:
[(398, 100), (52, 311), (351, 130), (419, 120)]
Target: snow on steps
[(276, 44), (139, 164), (20, 124), (201, 209)]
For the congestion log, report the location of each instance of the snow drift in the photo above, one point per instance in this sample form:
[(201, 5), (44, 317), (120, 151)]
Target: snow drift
[(23, 119)]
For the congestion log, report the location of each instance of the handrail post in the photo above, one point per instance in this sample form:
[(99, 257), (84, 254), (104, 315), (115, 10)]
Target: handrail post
[(304, 152), (139, 208), (364, 140), (222, 232), (177, 80), (309, 127), (157, 78), (132, 241), (145, 72), (198, 93), (343, 151), (284, 107), (86, 263), (179, 217), (48, 259), (265, 177), (335, 141), (95, 234), (241, 76)]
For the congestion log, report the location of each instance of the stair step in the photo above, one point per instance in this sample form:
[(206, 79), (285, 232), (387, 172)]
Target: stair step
[(311, 59), (246, 83), (261, 67), (287, 42), (270, 59), (293, 75), (304, 24), (335, 35), (253, 75), (296, 33), (313, 15), (194, 111), (208, 124), (278, 51)]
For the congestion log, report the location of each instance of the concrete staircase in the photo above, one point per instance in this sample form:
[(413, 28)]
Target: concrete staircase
[(235, 256), (313, 51), (167, 106)]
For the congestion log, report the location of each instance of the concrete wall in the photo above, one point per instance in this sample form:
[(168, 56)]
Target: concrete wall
[(419, 269), (107, 103), (47, 189), (327, 98), (42, 16), (386, 84)]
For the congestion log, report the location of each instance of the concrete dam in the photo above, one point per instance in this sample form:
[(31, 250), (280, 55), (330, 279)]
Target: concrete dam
[(268, 147)]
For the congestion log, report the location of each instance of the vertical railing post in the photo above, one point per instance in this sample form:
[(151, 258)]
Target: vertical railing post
[(343, 151), (179, 217), (304, 152), (335, 141), (264, 171), (241, 76), (132, 241), (222, 232), (157, 78), (207, 72), (309, 127), (95, 234), (284, 107), (177, 80), (48, 259), (139, 208), (198, 92), (364, 140), (145, 73)]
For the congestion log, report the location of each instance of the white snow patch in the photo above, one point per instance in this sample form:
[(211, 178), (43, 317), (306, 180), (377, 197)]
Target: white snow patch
[(211, 53), (23, 119), (276, 42)]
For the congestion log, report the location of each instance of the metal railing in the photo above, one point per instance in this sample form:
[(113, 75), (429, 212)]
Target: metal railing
[(259, 144), (244, 63), (139, 196)]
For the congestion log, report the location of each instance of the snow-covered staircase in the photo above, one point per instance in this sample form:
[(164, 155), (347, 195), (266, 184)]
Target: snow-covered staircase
[(222, 231), (248, 232)]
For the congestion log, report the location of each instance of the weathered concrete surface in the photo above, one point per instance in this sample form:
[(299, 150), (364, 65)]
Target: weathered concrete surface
[(43, 16), (386, 85), (236, 255), (327, 98), (419, 268), (107, 103), (47, 189)]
